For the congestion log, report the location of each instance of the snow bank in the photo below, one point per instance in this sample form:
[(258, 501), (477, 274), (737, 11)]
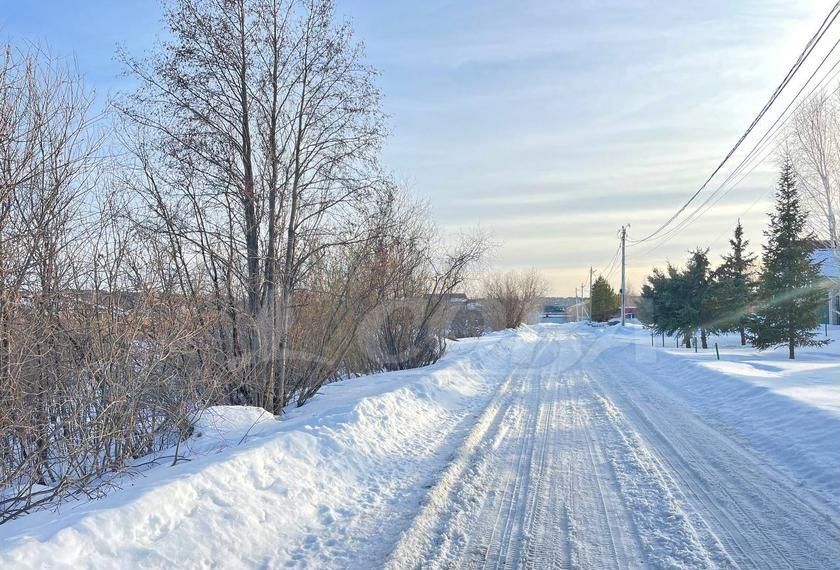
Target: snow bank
[(787, 409), (316, 479), (813, 378), (220, 427)]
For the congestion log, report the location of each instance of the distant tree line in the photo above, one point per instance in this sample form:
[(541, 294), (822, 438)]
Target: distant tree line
[(776, 304)]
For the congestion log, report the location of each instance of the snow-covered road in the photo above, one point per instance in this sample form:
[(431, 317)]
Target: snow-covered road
[(584, 459), (550, 447)]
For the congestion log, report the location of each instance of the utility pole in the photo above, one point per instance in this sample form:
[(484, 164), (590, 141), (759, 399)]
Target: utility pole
[(582, 306), (590, 293), (577, 307), (623, 284)]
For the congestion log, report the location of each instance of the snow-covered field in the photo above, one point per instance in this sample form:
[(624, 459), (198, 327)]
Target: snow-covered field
[(554, 446)]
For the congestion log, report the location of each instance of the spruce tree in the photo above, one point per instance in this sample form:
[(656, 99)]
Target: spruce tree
[(654, 308), (789, 292), (665, 297), (605, 301), (696, 283), (734, 290)]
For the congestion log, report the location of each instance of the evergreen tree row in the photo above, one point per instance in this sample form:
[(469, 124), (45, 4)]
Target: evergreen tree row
[(776, 305)]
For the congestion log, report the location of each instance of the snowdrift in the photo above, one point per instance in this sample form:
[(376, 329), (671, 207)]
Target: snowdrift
[(338, 482), (254, 486)]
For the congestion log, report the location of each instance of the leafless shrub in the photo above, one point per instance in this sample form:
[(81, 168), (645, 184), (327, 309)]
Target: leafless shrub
[(99, 358), (382, 303), (514, 297)]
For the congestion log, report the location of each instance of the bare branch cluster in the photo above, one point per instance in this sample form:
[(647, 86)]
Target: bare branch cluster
[(814, 147), (515, 296)]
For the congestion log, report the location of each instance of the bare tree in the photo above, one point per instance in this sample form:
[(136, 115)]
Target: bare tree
[(265, 127), (815, 147)]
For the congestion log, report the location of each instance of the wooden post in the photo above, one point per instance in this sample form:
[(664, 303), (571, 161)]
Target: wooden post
[(623, 283)]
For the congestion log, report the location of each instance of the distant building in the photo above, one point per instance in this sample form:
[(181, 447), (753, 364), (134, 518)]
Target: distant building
[(451, 298), (830, 269), (629, 313), (577, 312)]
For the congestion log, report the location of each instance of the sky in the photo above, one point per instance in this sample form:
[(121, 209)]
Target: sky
[(547, 124)]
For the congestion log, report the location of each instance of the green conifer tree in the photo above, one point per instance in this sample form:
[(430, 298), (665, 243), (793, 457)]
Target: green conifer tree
[(733, 290), (605, 300), (664, 297), (694, 312), (789, 292)]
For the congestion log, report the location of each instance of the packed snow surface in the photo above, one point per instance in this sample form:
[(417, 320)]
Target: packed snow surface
[(561, 446)]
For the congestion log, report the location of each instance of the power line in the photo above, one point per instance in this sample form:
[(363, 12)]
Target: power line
[(751, 157), (745, 212), (755, 165), (803, 56), (607, 271), (611, 263), (767, 138)]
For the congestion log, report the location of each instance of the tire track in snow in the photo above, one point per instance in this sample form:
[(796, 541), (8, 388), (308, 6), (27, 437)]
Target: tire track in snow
[(537, 492), (424, 535), (545, 517), (618, 557), (584, 463), (670, 538), (602, 532), (535, 532), (755, 512), (516, 481)]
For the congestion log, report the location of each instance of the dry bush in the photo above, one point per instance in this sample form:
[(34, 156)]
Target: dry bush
[(99, 364), (513, 297), (380, 303)]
